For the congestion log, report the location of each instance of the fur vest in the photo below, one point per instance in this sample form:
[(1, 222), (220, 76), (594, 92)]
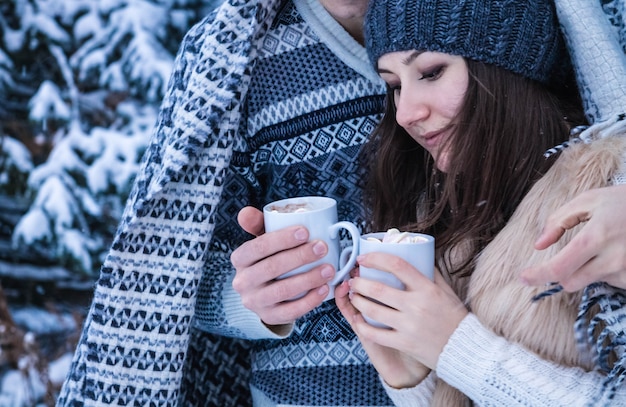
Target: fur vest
[(545, 327)]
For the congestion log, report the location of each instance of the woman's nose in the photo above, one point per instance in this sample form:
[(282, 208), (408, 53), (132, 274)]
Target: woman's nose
[(410, 110)]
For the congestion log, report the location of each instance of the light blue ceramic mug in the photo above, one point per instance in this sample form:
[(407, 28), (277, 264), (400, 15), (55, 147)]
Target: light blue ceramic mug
[(418, 250), (319, 215)]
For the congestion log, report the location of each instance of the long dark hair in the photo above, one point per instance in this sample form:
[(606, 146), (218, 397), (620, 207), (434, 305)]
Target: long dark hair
[(505, 124)]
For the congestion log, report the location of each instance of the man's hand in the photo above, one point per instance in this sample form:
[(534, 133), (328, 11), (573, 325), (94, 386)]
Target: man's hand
[(596, 253), (260, 261)]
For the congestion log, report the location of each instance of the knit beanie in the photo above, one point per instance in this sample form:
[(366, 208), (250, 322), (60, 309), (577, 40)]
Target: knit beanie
[(519, 35)]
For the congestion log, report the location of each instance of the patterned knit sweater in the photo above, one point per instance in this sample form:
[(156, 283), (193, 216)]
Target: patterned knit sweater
[(312, 102), (268, 99)]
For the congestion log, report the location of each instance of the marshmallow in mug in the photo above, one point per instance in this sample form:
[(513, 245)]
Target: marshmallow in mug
[(393, 235)]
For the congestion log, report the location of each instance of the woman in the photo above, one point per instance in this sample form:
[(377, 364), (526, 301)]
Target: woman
[(478, 92)]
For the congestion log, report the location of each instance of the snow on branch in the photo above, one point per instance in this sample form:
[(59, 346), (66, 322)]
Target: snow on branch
[(85, 79)]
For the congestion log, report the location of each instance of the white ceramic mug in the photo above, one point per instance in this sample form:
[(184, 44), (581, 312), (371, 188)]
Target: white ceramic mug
[(420, 254), (319, 215)]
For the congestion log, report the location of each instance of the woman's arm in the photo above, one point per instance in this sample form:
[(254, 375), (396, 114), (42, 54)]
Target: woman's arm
[(492, 371), (418, 396), (430, 325)]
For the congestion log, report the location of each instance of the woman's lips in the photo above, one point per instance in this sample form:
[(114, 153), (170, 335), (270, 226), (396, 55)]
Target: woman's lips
[(431, 139)]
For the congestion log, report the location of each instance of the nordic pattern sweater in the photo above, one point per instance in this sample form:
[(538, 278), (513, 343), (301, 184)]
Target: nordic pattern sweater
[(313, 100)]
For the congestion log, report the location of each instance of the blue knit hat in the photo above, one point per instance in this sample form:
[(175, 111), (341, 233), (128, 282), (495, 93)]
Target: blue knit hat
[(519, 35)]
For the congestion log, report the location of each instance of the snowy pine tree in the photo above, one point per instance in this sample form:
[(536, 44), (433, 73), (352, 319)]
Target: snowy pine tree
[(81, 81)]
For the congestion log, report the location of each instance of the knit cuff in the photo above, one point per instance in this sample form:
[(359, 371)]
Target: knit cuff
[(476, 349), (247, 321), (420, 395)]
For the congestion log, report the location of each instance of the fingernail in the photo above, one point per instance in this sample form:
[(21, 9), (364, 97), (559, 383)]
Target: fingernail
[(319, 248), (323, 290), (300, 234), (328, 272)]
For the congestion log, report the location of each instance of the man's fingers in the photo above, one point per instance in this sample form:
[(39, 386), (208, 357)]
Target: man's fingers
[(281, 301), (608, 266), (561, 266), (566, 217), (595, 253), (268, 244), (251, 220), (549, 236), (293, 308), (295, 286)]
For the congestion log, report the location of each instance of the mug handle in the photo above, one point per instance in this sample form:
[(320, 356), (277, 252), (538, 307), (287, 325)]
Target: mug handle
[(351, 252)]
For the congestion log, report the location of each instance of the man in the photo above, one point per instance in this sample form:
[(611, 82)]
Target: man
[(269, 99)]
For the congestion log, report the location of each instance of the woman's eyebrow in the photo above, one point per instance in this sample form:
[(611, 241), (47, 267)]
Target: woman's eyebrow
[(412, 57), (406, 61)]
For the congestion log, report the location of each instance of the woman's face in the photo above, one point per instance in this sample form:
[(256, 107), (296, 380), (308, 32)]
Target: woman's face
[(428, 89)]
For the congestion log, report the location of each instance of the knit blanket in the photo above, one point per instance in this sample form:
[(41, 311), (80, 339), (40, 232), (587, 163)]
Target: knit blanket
[(136, 335)]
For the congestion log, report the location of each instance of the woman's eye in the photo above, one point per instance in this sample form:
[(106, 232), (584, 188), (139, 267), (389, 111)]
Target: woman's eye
[(432, 74)]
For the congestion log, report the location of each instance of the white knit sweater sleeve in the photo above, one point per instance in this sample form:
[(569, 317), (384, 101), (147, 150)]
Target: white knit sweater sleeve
[(418, 396), (495, 372)]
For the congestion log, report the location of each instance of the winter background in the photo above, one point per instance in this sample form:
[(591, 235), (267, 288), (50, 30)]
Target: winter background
[(80, 86)]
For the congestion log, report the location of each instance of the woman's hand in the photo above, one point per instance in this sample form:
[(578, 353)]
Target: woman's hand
[(261, 260), (422, 317), (398, 369), (596, 253)]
